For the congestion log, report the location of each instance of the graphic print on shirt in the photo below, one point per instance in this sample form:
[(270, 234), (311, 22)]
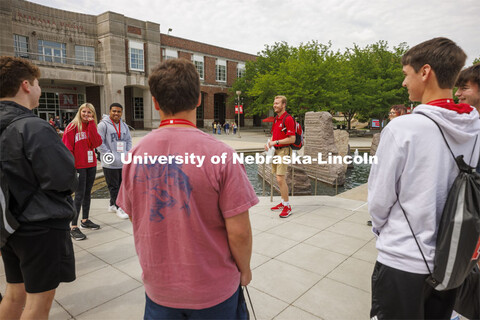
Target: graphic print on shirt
[(114, 137), (81, 136), (163, 181)]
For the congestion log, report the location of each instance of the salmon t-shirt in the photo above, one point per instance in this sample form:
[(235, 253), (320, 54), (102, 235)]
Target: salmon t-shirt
[(178, 205)]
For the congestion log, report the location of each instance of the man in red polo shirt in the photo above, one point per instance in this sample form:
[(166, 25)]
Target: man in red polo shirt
[(282, 138)]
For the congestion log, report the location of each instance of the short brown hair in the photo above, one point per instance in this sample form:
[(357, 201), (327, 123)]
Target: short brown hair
[(471, 74), (13, 71), (442, 54), (284, 99), (175, 84), (400, 109)]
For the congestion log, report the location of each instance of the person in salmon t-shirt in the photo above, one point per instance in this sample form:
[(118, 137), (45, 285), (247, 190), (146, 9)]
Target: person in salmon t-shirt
[(81, 138), (190, 218)]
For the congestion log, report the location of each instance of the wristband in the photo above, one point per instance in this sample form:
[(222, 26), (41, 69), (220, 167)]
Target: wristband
[(277, 143)]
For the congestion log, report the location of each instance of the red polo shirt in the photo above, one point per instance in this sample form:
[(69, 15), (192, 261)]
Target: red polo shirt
[(278, 132)]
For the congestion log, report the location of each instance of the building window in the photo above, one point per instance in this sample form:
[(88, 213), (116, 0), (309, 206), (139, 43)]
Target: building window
[(52, 51), (200, 107), (198, 62), (169, 54), (80, 99), (221, 70), (138, 108), (136, 56), (21, 46), (48, 100), (84, 56), (240, 70)]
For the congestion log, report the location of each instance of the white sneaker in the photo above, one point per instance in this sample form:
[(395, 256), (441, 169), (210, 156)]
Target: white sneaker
[(121, 214), (112, 208)]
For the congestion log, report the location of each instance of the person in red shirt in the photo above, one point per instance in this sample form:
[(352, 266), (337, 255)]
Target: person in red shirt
[(282, 138), (81, 138)]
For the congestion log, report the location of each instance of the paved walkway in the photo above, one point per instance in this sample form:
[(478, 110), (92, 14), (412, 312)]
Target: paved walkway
[(314, 265)]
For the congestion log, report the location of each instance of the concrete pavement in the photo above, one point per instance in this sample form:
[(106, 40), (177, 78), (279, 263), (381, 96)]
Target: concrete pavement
[(315, 264)]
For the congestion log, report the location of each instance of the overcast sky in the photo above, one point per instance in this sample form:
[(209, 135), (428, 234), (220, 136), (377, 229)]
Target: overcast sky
[(248, 25)]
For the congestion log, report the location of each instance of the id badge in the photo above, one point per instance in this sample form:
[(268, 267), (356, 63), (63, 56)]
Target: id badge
[(90, 156), (120, 146)]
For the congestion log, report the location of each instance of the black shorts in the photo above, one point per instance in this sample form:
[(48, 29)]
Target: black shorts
[(398, 294), (39, 258)]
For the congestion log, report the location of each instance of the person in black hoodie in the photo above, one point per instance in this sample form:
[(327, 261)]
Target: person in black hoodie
[(41, 177)]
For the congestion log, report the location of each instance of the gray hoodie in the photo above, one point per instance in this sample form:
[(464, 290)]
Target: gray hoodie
[(109, 134), (415, 167)]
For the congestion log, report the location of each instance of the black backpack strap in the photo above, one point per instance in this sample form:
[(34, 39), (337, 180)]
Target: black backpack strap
[(444, 139), (285, 118), (461, 165), (414, 237)]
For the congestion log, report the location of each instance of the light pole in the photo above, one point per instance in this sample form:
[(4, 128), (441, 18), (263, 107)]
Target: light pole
[(238, 106)]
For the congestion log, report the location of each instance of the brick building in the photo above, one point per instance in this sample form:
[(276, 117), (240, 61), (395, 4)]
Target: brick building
[(106, 58)]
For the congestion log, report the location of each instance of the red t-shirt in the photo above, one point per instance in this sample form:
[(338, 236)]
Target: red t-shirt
[(279, 132), (82, 144)]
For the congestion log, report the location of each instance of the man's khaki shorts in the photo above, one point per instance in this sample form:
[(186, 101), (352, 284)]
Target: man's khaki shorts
[(281, 169)]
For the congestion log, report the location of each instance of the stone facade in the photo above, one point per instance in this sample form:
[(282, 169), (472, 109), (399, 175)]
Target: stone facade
[(52, 38)]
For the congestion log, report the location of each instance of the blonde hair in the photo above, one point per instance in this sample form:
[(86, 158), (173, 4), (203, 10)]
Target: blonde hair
[(283, 98), (77, 121)]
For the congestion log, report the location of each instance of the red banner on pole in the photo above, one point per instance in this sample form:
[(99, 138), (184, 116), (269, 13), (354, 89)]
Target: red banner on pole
[(241, 109), (236, 109)]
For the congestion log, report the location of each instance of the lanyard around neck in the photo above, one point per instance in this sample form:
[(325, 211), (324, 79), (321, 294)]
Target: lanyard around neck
[(119, 131), (169, 122)]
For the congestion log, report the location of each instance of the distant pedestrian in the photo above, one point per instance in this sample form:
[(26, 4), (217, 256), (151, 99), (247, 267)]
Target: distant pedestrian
[(214, 126), (227, 128), (57, 122), (219, 128), (116, 140), (396, 111), (81, 138), (234, 127)]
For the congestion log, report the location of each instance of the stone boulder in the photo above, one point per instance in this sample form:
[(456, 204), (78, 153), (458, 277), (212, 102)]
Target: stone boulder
[(375, 143), (320, 138)]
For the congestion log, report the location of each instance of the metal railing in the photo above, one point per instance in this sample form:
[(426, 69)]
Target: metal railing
[(59, 60), (132, 130), (293, 181)]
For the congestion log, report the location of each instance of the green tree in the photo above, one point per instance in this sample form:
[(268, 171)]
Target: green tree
[(362, 82), (373, 81)]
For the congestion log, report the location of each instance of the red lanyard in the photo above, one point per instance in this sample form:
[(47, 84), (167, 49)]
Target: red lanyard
[(88, 136), (450, 105), (119, 131), (169, 122)]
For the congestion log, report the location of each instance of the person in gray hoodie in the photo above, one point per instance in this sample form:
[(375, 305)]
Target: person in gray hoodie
[(414, 173), (116, 140)]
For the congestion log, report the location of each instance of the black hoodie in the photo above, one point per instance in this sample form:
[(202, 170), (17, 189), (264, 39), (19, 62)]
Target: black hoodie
[(39, 169)]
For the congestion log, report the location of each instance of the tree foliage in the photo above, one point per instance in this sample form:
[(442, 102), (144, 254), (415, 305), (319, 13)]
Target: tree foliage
[(362, 82)]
